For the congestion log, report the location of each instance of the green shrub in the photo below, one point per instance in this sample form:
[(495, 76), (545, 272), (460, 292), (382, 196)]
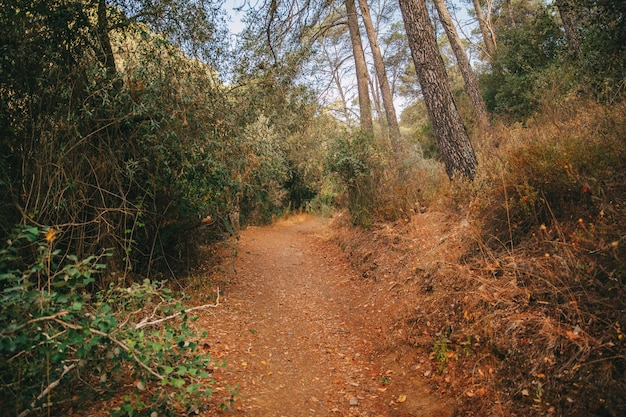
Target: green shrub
[(55, 334), (524, 53), (353, 160)]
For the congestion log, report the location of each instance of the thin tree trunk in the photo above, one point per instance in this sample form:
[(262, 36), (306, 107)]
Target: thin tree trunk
[(509, 10), (365, 106), (337, 80), (454, 144), (471, 84), (342, 97), (106, 51), (490, 44), (377, 107), (383, 82), (570, 25)]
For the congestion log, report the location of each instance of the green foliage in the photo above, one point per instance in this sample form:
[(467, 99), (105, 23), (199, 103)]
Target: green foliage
[(601, 63), (524, 53), (415, 117), (56, 335), (442, 352), (129, 151), (354, 160)]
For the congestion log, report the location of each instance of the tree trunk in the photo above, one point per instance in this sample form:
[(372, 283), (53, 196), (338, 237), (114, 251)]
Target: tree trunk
[(571, 25), (454, 144), (365, 106), (335, 65), (383, 82), (509, 10), (379, 111), (471, 84), (490, 44), (107, 59)]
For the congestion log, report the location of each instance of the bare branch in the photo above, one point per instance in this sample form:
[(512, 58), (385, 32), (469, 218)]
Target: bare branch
[(145, 323), (47, 390)]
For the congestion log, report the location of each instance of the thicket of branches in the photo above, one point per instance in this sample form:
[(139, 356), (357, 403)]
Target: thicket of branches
[(134, 156)]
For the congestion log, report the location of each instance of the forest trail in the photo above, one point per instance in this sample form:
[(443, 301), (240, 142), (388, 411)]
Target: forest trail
[(303, 337)]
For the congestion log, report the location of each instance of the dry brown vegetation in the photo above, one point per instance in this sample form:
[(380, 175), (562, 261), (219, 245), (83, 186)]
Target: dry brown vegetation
[(515, 283)]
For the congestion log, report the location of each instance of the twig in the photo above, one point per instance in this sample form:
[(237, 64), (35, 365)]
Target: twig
[(47, 390), (115, 341), (144, 323), (46, 318), (127, 349)]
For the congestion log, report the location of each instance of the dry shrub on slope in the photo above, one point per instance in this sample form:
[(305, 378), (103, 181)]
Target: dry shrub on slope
[(515, 284)]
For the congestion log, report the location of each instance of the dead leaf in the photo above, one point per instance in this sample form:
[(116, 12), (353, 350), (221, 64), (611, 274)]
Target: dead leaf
[(572, 335)]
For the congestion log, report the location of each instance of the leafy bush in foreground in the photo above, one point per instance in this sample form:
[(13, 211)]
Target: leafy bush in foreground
[(55, 334)]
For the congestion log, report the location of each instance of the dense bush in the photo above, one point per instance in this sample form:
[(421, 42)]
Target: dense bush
[(353, 159), (601, 63), (524, 53), (132, 150), (57, 337)]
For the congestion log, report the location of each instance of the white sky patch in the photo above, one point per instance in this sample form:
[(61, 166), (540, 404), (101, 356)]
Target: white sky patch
[(235, 24)]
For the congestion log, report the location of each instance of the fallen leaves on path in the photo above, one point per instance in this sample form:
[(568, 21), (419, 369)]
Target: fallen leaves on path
[(303, 337)]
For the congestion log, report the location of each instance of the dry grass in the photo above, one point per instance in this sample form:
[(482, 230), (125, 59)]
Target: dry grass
[(522, 273)]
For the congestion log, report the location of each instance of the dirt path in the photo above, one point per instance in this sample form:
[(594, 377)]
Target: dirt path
[(303, 337)]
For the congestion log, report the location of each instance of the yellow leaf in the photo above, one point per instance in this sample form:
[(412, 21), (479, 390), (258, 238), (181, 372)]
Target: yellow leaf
[(51, 234), (402, 398)]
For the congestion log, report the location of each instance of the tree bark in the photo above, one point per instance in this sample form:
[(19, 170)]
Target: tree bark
[(365, 106), (571, 25), (452, 139), (378, 109), (490, 43), (383, 81), (471, 84), (107, 58)]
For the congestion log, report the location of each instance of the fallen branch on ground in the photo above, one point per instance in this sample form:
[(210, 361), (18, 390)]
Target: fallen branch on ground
[(144, 323)]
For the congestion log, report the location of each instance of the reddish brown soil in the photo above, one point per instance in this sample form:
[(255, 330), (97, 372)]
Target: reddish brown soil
[(304, 334)]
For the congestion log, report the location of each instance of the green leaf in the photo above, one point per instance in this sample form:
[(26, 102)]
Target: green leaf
[(178, 382)]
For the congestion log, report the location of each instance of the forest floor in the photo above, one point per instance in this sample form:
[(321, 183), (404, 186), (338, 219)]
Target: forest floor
[(304, 333)]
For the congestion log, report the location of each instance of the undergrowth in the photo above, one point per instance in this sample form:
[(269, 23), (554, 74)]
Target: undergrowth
[(61, 343), (549, 212), (531, 260)]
